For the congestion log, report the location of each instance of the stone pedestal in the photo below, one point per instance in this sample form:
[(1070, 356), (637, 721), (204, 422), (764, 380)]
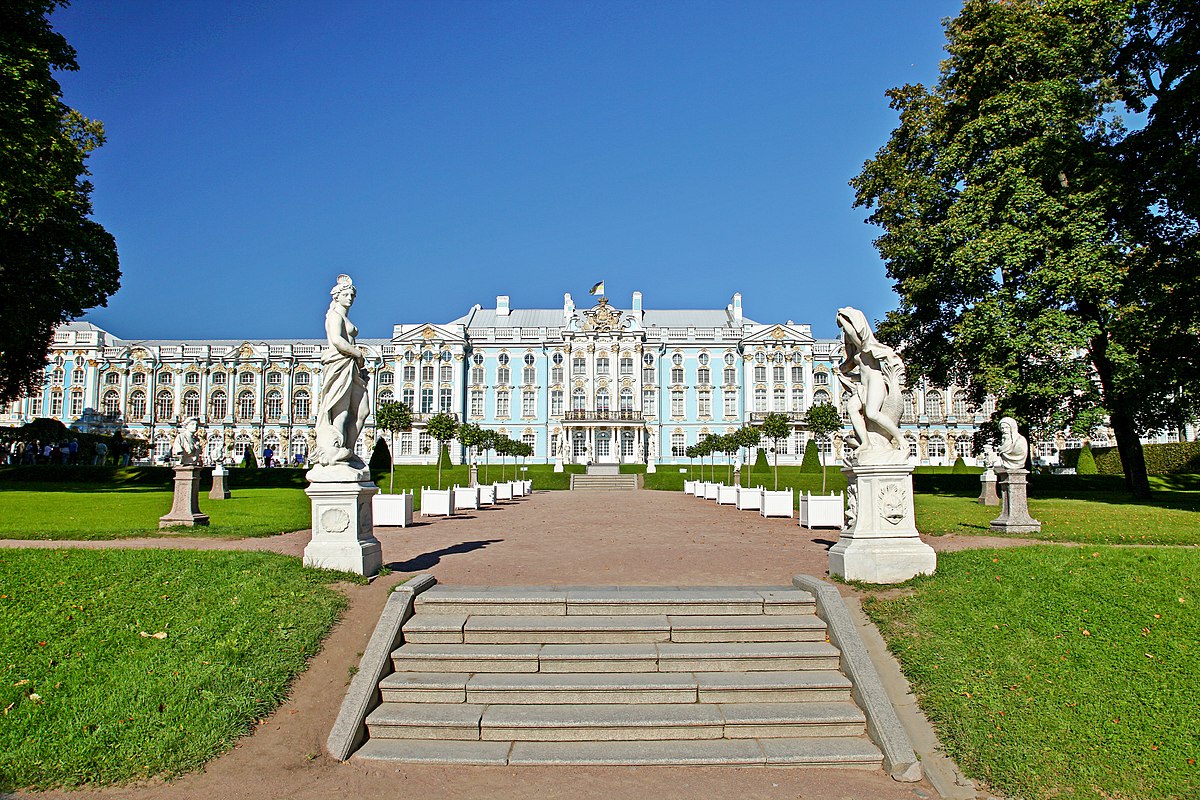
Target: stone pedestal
[(651, 466), (880, 543), (1014, 504), (474, 476), (987, 489), (220, 486), (342, 534), (185, 506), (558, 463), (737, 475)]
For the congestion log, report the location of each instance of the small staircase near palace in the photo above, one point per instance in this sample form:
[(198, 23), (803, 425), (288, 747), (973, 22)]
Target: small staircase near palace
[(619, 676), (611, 482)]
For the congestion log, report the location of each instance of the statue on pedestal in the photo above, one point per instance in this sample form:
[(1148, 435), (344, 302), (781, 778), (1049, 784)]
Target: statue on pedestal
[(873, 374), (1014, 448), (185, 449), (1014, 500), (186, 455), (342, 406)]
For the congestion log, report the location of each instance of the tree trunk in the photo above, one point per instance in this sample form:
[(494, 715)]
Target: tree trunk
[(1129, 442)]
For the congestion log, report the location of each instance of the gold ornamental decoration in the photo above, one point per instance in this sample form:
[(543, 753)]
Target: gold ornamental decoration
[(601, 318)]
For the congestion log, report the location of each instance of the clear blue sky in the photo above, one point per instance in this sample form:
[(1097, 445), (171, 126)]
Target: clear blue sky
[(445, 152)]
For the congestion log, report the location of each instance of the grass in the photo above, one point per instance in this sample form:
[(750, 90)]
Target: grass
[(117, 666), (1056, 672), (89, 511)]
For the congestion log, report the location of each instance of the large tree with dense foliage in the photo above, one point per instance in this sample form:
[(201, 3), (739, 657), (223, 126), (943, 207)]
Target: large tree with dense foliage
[(55, 262), (1042, 251)]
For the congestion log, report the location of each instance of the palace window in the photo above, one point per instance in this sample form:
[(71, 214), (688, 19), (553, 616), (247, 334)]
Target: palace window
[(729, 399), (760, 399), (112, 403), (427, 373), (602, 441), (477, 375), (218, 406), (503, 376), (406, 441), (704, 404), (302, 379), (138, 379), (779, 373), (648, 359), (557, 359), (703, 376), (677, 360), (964, 447), (386, 377), (385, 396), (556, 374), (424, 443), (410, 373), (299, 449), (821, 379), (76, 377), (529, 439), (219, 378), (578, 365), (503, 359), (961, 405), (678, 445), (934, 407), (427, 400), (730, 376), (476, 402), (626, 399), (760, 374), (579, 443), (529, 359), (112, 378), (909, 406), (301, 406), (274, 378), (35, 405), (445, 399), (797, 375), (648, 375), (760, 357), (246, 405), (797, 399), (529, 376), (626, 443), (913, 450), (779, 399), (57, 378), (820, 396), (845, 410), (191, 378), (648, 402), (164, 405), (602, 365), (76, 403), (447, 373), (501, 404), (273, 406), (166, 376), (602, 400), (677, 375), (677, 403), (408, 397), (730, 358), (578, 400), (936, 447), (447, 355), (244, 378), (191, 404), (626, 365), (556, 403)]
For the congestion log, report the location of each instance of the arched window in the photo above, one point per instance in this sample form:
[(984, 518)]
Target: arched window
[(138, 378), (913, 450), (678, 445), (301, 406), (909, 413), (112, 378), (245, 406), (602, 400), (845, 410), (299, 449), (964, 447), (274, 379), (164, 404), (302, 379), (192, 378), (934, 408), (936, 446), (191, 404), (821, 379), (218, 405), (386, 396), (76, 407), (578, 400), (112, 403), (820, 396), (246, 378), (961, 406), (627, 399), (137, 404), (240, 445), (274, 405)]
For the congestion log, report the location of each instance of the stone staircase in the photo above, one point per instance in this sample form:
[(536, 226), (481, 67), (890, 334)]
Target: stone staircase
[(615, 483), (617, 676)]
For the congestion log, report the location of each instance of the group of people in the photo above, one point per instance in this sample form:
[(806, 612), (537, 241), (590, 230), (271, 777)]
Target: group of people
[(65, 452)]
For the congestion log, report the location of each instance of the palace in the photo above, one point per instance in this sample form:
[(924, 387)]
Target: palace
[(602, 384)]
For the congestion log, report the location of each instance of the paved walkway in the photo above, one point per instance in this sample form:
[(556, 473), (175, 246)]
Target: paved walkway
[(597, 538)]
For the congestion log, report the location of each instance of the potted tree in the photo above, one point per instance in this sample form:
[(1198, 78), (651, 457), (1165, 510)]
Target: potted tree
[(391, 508), (776, 427), (442, 428), (822, 511), (749, 437)]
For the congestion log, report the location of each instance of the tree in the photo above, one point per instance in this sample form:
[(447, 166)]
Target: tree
[(441, 427), (823, 421), (748, 437), (729, 444), (487, 443), (470, 436), (393, 417), (776, 427), (1087, 462), (1043, 252), (55, 262)]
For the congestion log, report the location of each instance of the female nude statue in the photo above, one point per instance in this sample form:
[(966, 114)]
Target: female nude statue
[(343, 406), (874, 375)]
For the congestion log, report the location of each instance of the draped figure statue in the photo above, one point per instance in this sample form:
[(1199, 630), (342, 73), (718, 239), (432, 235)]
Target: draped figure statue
[(873, 374), (342, 406)]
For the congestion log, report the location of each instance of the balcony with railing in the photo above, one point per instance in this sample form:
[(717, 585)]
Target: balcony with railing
[(603, 415)]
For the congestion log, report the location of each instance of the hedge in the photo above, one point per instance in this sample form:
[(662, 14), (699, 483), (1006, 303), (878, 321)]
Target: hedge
[(1172, 458)]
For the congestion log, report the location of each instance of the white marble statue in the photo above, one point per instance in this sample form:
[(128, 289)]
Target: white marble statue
[(873, 374), (185, 449), (343, 405), (1014, 448)]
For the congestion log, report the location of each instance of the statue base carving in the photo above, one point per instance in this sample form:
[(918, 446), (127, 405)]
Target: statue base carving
[(880, 543), (338, 473), (987, 489), (343, 537), (220, 483), (185, 505), (1014, 504)]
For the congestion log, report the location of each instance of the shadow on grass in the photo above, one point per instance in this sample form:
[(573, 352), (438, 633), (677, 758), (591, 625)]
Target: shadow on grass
[(426, 560)]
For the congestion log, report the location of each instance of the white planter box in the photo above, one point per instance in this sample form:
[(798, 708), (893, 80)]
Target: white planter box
[(822, 511), (392, 510), (487, 494), (437, 502), (777, 504), (528, 486), (727, 495), (466, 497), (749, 499), (689, 487), (710, 491), (518, 488), (503, 491)]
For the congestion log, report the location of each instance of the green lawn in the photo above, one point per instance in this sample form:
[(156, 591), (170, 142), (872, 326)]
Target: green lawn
[(122, 665), (1055, 672), (88, 511)]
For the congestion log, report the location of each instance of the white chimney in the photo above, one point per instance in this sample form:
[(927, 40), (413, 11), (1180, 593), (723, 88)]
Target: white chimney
[(501, 305), (737, 306), (568, 305), (637, 302)]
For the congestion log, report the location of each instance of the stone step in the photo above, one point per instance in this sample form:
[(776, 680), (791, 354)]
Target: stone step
[(611, 600), (844, 753), (425, 721), (791, 720), (636, 687), (573, 723), (658, 657), (747, 628)]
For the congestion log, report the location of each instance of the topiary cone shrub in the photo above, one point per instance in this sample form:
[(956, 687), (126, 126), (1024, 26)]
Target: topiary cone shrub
[(381, 458), (960, 466), (760, 460), (812, 458), (1086, 465)]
